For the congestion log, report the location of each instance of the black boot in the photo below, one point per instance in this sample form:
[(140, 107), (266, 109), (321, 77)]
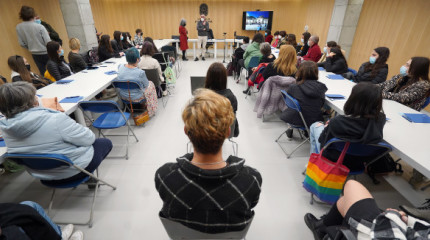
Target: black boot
[(289, 132), (247, 91), (316, 226)]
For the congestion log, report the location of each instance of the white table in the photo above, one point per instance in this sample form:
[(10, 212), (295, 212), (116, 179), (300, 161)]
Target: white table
[(409, 140)]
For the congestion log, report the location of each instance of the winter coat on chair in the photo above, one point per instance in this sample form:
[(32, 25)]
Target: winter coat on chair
[(311, 97), (270, 98)]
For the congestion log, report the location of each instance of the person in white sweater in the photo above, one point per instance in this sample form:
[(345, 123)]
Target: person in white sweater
[(146, 60)]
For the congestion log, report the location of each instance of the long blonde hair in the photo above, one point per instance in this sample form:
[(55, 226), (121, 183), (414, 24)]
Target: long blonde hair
[(287, 60)]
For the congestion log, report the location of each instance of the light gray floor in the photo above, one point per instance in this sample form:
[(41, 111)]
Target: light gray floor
[(131, 212)]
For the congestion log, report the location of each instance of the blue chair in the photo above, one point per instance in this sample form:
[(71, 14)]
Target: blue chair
[(294, 104), (253, 62), (426, 103), (35, 163), (352, 71), (125, 86), (111, 117)]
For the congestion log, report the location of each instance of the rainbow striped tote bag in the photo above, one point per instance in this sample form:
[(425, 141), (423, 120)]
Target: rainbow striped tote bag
[(325, 178)]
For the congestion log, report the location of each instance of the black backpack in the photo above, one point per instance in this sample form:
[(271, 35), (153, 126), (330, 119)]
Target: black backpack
[(384, 165)]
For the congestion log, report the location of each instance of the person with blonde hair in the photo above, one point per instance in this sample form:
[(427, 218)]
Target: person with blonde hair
[(76, 61), (202, 190), (284, 65)]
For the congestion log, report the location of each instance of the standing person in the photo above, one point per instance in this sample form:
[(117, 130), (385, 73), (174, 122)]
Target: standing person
[(138, 38), (269, 37), (183, 38), (33, 37), (202, 31), (76, 60), (51, 31)]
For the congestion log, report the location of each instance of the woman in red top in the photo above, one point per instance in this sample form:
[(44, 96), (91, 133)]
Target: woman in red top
[(183, 39), (269, 36)]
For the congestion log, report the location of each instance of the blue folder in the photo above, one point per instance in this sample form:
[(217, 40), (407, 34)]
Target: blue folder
[(335, 77), (2, 143), (64, 81), (73, 99), (416, 117), (111, 72), (321, 69), (335, 96)]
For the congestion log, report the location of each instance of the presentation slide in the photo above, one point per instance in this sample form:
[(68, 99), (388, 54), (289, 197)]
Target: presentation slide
[(257, 20)]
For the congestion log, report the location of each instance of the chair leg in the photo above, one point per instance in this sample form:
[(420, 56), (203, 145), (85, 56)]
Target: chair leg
[(235, 146), (281, 135), (51, 202), (126, 146), (129, 127), (312, 199), (297, 147)]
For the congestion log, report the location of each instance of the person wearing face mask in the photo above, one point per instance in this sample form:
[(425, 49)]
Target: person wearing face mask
[(335, 62), (183, 38), (412, 86), (77, 62), (314, 51), (282, 38), (117, 42), (33, 37), (125, 43), (375, 70), (138, 38), (327, 48), (202, 32), (57, 67), (21, 71), (304, 43), (51, 31), (268, 35), (276, 37)]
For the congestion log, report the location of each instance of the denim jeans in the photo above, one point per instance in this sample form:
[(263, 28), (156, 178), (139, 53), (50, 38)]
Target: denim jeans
[(42, 213), (316, 130)]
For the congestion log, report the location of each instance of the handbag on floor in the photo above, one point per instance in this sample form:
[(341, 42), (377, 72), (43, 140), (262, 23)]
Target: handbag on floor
[(324, 178), (139, 119)]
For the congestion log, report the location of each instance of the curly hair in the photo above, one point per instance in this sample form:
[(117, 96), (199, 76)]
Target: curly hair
[(208, 117)]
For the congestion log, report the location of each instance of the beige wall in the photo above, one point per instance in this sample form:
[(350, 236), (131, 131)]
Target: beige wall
[(48, 10), (402, 26), (160, 19)]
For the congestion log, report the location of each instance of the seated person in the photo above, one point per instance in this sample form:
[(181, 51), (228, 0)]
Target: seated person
[(335, 61), (375, 70), (268, 36), (291, 40), (149, 39), (252, 50), (138, 37), (245, 44), (131, 72), (21, 72), (56, 66), (283, 39), (28, 128), (326, 50), (310, 93), (126, 44), (30, 221), (76, 60), (284, 65), (412, 86), (276, 37), (117, 42), (358, 211), (305, 40), (105, 50), (363, 122), (314, 51), (214, 195), (146, 60), (266, 51), (216, 80)]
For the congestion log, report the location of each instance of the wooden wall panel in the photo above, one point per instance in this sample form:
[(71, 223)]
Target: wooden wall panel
[(160, 19), (402, 26), (48, 10)]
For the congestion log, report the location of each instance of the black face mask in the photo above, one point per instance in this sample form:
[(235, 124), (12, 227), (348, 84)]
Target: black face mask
[(185, 25), (28, 67)]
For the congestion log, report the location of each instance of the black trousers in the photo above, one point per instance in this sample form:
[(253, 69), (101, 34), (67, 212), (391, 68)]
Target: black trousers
[(41, 61)]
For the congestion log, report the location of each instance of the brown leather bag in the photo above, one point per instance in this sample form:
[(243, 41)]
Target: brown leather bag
[(139, 119)]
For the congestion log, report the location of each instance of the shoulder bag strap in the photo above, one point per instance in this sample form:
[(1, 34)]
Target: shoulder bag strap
[(342, 155), (129, 95)]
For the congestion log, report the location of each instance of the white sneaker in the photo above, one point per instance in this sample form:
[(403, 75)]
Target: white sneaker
[(78, 235), (66, 231)]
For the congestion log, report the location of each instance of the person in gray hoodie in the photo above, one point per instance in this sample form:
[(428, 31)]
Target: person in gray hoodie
[(33, 37), (30, 129)]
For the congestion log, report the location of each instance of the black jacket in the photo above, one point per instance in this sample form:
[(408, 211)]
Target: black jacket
[(359, 130), (270, 71), (104, 54), (116, 46), (266, 59), (77, 62), (233, 100), (311, 97), (14, 215), (58, 70), (210, 201), (304, 50), (366, 76), (334, 65)]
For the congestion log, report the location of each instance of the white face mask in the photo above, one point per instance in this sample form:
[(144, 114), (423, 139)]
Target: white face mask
[(202, 19)]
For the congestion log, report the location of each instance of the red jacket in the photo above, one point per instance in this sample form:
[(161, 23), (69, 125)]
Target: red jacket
[(269, 38), (314, 53), (183, 39)]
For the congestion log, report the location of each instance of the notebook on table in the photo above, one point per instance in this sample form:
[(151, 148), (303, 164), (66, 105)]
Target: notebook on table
[(335, 77), (416, 117), (64, 81), (111, 72), (72, 99), (335, 96), (321, 69)]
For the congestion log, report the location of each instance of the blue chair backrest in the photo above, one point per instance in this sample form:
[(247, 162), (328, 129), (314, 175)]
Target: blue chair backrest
[(359, 149), (254, 62), (353, 71), (290, 101), (426, 103), (124, 85), (39, 161), (99, 106)]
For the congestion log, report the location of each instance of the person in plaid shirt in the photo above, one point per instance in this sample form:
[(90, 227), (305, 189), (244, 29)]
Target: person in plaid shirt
[(202, 190), (357, 210)]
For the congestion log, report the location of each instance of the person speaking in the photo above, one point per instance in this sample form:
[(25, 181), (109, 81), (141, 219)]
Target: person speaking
[(202, 31)]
